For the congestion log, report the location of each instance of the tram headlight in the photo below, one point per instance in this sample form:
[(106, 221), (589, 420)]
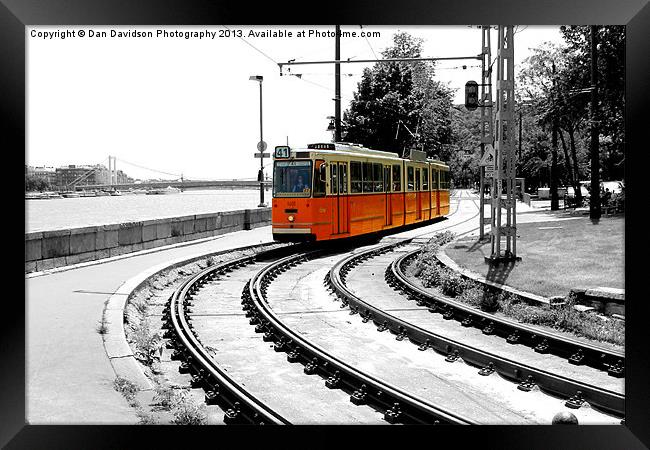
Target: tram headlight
[(290, 218)]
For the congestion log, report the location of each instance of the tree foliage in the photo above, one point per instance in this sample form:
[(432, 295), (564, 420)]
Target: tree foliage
[(399, 106), (555, 81), (33, 183)]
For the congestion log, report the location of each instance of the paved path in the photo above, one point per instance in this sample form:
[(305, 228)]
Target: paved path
[(69, 376)]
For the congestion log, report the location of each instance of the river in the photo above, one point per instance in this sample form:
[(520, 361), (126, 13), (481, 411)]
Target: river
[(62, 213)]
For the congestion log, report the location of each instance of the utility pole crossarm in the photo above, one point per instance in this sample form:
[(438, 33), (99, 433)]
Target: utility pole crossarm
[(386, 60)]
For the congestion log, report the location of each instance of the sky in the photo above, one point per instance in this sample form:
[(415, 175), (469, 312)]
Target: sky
[(186, 106)]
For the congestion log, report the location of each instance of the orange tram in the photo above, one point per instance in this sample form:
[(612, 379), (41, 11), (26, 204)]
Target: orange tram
[(334, 191)]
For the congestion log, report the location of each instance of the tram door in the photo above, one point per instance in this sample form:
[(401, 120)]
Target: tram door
[(418, 194), (389, 204), (339, 191)]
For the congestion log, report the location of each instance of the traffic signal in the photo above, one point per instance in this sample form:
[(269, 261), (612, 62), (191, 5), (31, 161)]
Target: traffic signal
[(471, 95)]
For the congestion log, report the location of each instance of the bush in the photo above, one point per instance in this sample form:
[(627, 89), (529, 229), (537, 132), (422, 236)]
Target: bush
[(451, 284), (147, 344), (472, 295), (165, 397), (146, 418), (188, 412), (430, 276), (125, 387)]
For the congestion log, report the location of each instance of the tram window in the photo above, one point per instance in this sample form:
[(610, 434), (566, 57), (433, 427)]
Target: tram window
[(425, 179), (343, 178), (333, 178), (319, 178), (410, 182), (378, 181), (355, 177), (397, 178), (434, 179), (444, 179), (418, 184), (292, 178), (367, 177)]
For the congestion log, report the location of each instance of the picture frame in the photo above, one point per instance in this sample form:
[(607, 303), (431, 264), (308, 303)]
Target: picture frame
[(15, 15)]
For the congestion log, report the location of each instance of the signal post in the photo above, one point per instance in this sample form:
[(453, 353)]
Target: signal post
[(497, 162)]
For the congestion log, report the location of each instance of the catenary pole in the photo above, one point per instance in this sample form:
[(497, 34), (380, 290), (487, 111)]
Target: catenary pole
[(594, 199), (337, 86)]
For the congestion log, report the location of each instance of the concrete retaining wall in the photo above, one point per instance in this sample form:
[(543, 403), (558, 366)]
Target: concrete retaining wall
[(49, 249)]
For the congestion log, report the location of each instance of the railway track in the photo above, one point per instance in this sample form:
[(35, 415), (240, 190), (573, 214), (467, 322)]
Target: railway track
[(240, 405), (260, 340), (572, 350), (222, 373), (486, 347)]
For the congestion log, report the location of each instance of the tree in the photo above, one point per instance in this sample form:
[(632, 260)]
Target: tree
[(33, 183), (564, 97), (464, 153), (399, 106)]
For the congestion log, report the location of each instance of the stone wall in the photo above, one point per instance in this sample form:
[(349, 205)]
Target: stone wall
[(49, 249)]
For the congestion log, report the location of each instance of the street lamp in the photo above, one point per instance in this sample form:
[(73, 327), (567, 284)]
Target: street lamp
[(261, 145), (331, 127)]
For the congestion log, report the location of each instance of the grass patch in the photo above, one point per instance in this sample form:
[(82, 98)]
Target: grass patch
[(564, 318), (187, 411), (146, 418), (127, 388), (165, 397), (147, 343), (102, 328), (556, 256)]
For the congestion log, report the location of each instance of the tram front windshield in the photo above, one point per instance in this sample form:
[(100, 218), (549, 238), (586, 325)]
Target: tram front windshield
[(292, 179)]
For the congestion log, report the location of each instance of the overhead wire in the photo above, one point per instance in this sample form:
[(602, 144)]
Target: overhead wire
[(369, 45), (255, 48)]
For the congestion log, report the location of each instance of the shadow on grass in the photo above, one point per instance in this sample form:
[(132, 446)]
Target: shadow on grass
[(497, 273)]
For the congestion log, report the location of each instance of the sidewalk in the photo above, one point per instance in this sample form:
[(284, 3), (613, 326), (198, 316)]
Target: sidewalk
[(69, 378)]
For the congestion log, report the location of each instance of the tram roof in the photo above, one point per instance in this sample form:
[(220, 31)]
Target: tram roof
[(357, 149)]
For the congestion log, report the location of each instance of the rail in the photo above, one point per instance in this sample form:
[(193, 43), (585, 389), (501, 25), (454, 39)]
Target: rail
[(220, 387), (399, 406), (576, 392)]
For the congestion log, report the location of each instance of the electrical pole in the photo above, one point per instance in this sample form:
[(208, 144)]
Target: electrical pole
[(520, 135), (555, 201), (594, 199), (504, 170), (487, 135), (337, 84)]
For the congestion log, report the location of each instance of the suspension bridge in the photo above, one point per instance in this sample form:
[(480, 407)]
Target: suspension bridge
[(179, 181)]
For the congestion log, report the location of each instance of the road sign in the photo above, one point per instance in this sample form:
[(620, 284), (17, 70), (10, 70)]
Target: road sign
[(262, 155), (261, 146), (488, 156)]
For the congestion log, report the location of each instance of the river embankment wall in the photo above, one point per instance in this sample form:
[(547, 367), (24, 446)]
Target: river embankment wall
[(49, 249)]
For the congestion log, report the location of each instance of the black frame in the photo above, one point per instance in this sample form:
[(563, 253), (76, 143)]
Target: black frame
[(16, 14)]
